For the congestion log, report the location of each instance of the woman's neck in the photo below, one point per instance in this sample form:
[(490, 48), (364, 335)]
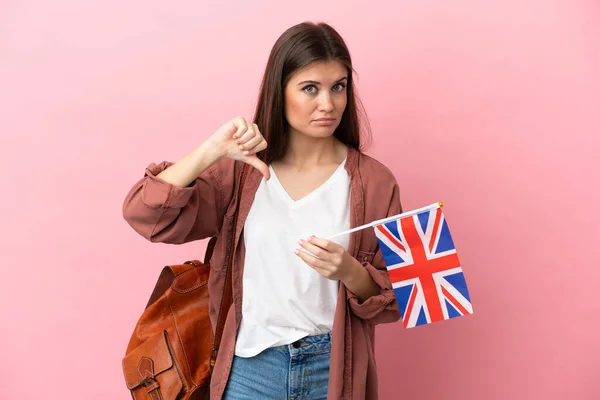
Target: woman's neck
[(305, 152)]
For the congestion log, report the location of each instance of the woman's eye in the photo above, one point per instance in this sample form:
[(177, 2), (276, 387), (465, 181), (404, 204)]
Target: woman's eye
[(310, 89), (339, 87)]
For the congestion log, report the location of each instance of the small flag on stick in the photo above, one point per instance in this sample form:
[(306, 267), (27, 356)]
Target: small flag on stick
[(423, 266)]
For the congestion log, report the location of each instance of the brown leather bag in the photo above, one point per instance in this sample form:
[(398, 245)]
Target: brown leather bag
[(172, 350)]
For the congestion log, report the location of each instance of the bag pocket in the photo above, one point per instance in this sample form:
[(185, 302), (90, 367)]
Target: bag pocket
[(150, 370)]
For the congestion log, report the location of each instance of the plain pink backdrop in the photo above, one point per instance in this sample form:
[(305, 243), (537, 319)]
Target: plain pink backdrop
[(491, 107)]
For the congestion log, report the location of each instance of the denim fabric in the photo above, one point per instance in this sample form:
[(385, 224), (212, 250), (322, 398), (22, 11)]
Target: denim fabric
[(297, 371)]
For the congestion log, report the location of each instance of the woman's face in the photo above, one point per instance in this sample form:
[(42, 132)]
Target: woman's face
[(315, 98)]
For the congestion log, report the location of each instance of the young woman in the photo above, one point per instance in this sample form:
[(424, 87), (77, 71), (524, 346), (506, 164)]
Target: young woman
[(304, 309)]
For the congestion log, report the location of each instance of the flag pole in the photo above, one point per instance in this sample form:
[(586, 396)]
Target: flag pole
[(389, 219)]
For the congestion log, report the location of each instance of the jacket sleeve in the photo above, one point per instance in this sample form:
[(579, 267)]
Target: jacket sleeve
[(165, 213), (381, 308)]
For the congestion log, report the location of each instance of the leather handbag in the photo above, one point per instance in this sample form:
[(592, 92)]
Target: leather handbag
[(172, 350)]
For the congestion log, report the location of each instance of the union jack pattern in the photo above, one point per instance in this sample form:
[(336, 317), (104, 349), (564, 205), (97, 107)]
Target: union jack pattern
[(424, 269)]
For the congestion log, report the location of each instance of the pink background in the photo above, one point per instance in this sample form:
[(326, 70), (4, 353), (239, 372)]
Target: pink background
[(492, 108)]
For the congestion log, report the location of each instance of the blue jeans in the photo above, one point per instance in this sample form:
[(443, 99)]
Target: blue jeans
[(298, 371)]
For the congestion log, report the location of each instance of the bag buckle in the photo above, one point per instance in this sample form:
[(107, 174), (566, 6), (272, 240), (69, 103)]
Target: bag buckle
[(150, 383)]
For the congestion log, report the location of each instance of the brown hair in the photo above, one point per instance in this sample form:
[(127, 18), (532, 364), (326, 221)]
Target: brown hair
[(296, 48)]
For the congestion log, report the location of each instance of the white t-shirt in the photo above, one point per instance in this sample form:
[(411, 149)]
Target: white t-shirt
[(284, 299)]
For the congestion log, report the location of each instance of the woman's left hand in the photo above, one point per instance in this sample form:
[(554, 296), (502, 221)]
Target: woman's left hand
[(329, 259)]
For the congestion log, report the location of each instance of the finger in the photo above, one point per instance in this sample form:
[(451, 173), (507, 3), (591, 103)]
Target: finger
[(258, 137), (241, 125), (259, 165), (256, 144), (260, 147), (247, 136), (316, 251), (252, 143), (311, 260), (325, 244)]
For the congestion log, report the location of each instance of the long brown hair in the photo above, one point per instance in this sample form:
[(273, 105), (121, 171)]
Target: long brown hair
[(296, 48)]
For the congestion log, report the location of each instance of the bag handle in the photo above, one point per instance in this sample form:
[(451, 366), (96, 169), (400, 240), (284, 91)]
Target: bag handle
[(226, 297)]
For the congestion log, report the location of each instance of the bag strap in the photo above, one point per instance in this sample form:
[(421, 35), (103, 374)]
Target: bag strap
[(226, 298)]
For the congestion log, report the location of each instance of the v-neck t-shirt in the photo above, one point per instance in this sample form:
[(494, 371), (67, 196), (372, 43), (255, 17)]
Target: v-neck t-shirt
[(284, 299)]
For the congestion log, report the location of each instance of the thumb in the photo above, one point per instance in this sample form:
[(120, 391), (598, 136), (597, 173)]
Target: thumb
[(259, 165)]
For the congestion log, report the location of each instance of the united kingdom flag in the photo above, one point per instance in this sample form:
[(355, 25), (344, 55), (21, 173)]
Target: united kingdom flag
[(424, 269)]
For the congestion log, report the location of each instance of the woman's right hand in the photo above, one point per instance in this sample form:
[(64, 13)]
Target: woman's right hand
[(240, 139)]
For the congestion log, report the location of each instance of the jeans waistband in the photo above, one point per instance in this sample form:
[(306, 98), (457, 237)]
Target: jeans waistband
[(311, 344)]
